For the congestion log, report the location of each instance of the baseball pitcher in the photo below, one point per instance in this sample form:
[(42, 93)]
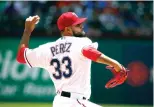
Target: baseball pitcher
[(68, 61)]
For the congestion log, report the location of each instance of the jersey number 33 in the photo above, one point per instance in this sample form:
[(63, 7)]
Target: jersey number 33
[(59, 74)]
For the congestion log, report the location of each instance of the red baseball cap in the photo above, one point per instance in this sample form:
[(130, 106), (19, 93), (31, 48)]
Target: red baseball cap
[(68, 19)]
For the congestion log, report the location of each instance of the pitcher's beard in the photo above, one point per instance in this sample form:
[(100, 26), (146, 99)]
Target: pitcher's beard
[(82, 34)]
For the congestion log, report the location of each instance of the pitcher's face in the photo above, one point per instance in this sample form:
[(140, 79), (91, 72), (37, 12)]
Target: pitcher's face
[(78, 31)]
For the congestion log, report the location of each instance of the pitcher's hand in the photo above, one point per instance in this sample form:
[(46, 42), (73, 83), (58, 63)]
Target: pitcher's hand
[(30, 23)]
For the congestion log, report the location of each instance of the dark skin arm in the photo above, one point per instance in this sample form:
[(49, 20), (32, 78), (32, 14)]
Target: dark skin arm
[(29, 27), (109, 61)]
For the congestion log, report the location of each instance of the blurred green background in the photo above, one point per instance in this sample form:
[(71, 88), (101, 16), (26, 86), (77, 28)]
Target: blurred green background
[(124, 31)]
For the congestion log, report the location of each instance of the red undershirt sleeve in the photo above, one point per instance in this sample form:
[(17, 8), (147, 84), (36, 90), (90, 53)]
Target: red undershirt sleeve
[(20, 55), (91, 53)]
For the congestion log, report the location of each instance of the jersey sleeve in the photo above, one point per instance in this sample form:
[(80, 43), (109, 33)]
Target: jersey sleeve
[(86, 42), (37, 57)]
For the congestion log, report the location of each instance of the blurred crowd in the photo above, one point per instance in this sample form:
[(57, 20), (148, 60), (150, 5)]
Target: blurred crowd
[(117, 17)]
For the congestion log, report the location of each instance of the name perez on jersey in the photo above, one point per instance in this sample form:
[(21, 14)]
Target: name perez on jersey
[(60, 48)]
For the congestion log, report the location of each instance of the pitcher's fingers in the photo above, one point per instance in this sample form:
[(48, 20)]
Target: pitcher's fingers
[(35, 19), (36, 16)]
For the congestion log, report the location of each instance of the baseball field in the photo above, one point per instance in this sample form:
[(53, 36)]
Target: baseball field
[(8, 104)]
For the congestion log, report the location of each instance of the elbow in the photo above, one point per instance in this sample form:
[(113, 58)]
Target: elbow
[(19, 59), (20, 56), (91, 53)]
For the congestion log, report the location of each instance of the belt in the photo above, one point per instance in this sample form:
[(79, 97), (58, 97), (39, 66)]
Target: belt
[(68, 94)]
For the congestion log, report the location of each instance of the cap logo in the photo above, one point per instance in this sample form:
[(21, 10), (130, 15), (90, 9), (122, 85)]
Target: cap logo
[(74, 14)]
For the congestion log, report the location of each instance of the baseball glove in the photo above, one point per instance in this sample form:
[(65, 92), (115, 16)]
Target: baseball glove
[(119, 77)]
